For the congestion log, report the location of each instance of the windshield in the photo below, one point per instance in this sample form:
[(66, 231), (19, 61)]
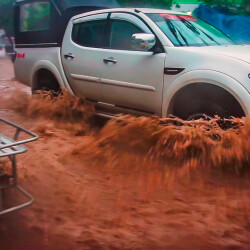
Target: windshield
[(185, 30)]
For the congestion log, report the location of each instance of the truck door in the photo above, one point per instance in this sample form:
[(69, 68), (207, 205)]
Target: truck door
[(82, 55), (131, 79)]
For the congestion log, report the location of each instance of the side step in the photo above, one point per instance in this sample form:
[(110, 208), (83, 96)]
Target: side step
[(105, 115), (110, 111)]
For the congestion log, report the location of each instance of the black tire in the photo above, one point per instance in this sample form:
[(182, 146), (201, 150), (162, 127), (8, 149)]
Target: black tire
[(206, 99), (46, 82)]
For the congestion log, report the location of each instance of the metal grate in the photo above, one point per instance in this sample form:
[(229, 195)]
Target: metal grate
[(10, 147), (5, 141)]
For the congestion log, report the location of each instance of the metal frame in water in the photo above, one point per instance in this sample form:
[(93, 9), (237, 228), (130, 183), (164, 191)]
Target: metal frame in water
[(10, 148)]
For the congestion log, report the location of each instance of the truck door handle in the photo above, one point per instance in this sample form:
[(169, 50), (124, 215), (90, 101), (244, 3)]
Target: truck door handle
[(110, 60), (69, 56)]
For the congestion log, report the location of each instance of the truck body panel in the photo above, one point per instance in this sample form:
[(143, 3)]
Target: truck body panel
[(97, 61)]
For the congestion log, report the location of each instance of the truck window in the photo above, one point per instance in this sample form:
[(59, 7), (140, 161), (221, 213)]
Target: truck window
[(121, 34), (184, 30), (90, 34), (35, 16)]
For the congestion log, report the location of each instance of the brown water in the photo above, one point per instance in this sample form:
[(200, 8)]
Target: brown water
[(135, 183)]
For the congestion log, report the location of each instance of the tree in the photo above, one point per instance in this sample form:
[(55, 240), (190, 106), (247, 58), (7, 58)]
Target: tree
[(232, 6), (7, 16), (165, 4)]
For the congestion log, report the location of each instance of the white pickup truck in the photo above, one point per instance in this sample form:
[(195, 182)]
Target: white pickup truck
[(140, 61)]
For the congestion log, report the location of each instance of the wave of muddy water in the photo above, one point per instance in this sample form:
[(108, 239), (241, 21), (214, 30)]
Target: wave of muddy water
[(134, 183)]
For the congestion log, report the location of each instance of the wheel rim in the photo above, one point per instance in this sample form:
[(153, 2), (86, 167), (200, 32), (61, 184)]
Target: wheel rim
[(199, 116)]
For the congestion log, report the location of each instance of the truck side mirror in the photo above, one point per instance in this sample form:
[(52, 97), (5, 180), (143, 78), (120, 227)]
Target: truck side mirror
[(143, 41)]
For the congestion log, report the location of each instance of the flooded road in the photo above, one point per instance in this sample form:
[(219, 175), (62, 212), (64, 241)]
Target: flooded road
[(134, 183)]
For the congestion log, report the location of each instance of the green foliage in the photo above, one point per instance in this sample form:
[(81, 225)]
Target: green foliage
[(223, 2), (37, 17), (232, 6), (165, 4)]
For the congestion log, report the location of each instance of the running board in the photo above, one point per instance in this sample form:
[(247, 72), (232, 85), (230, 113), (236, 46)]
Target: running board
[(111, 111), (108, 116)]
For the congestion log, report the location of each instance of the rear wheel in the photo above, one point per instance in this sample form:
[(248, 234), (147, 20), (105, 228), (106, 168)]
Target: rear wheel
[(45, 81)]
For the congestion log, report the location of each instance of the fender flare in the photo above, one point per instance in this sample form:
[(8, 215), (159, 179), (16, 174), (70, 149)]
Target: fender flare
[(45, 64), (209, 77)]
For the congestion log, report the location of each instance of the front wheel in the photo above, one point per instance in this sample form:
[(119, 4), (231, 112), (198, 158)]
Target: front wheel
[(205, 100), (199, 116)]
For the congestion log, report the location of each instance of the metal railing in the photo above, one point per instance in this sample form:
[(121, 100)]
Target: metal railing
[(11, 147)]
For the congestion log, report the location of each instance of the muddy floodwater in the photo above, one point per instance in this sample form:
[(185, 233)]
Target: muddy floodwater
[(127, 183)]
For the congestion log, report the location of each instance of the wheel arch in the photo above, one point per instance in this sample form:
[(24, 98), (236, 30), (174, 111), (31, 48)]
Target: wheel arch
[(50, 67), (215, 78)]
